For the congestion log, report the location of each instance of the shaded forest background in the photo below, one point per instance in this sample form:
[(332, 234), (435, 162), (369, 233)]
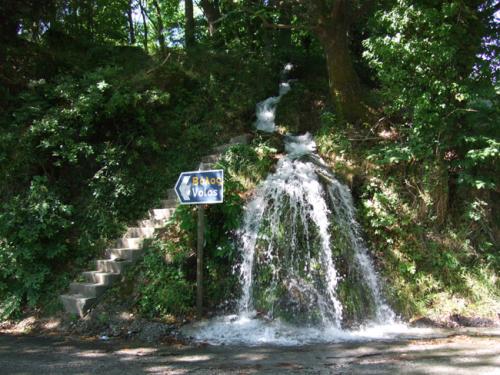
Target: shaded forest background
[(104, 102)]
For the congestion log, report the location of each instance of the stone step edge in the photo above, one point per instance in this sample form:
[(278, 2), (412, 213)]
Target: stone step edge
[(169, 203)]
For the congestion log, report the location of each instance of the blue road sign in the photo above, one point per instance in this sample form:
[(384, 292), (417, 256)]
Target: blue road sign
[(200, 187)]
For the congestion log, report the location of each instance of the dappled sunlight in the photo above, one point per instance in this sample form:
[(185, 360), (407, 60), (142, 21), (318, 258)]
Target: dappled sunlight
[(469, 351), (137, 351), (92, 354), (192, 358), (167, 369)]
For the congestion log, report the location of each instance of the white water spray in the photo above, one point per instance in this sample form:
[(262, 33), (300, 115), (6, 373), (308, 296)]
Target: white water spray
[(266, 109), (287, 266), (293, 190)]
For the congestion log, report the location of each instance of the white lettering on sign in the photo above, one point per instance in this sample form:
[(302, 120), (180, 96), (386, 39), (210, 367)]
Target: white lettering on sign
[(204, 193), (200, 187)]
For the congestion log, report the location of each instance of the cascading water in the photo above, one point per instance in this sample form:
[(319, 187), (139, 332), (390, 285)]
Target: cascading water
[(299, 222), (293, 259), (345, 216), (266, 109)]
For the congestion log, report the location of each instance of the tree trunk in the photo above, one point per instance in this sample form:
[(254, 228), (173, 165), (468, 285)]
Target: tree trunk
[(160, 27), (212, 14), (189, 26), (285, 35), (145, 26), (331, 22), (343, 79), (131, 30), (440, 190), (90, 19)]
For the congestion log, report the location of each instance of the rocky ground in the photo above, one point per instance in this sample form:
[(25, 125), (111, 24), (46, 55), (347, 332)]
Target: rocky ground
[(105, 323)]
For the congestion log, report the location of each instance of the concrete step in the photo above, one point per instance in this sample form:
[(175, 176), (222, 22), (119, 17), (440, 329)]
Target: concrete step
[(169, 203), (77, 304), (161, 213), (83, 295), (87, 290), (151, 223), (124, 254), (243, 139), (106, 278), (129, 243), (214, 158), (205, 166), (142, 232), (112, 265), (171, 194)]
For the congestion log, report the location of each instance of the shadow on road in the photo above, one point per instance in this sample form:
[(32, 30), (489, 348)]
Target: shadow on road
[(61, 355)]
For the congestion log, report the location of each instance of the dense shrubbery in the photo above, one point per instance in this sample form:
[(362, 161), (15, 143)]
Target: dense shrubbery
[(426, 174), (431, 269), (79, 159), (167, 277), (93, 132), (85, 152)]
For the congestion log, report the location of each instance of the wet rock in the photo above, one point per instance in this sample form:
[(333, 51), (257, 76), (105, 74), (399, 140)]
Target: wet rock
[(153, 331), (454, 321), (425, 322), (466, 321)]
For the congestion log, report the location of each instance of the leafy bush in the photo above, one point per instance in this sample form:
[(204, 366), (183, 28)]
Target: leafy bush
[(79, 159), (33, 223), (432, 272), (431, 269), (103, 131), (167, 277), (438, 73), (164, 288)]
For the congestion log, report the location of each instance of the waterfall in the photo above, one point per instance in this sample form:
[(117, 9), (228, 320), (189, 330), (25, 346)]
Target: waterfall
[(293, 191), (295, 250), (345, 216), (300, 220), (266, 109)]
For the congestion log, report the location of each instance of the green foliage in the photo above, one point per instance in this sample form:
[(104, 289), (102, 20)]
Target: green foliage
[(72, 172), (99, 130), (248, 164), (33, 222), (94, 130), (434, 62), (167, 277), (164, 288), (81, 156), (431, 272)]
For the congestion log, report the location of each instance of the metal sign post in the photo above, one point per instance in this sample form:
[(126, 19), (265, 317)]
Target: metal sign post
[(200, 187)]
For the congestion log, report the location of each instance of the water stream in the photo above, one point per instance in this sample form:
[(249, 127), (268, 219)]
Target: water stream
[(302, 258)]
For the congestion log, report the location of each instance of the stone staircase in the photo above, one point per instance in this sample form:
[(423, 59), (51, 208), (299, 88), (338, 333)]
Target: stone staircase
[(83, 295)]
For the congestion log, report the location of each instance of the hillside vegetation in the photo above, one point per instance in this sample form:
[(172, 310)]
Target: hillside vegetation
[(104, 103)]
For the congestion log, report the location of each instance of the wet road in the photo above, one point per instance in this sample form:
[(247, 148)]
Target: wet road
[(476, 352)]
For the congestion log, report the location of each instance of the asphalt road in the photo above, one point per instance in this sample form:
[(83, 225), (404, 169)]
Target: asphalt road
[(457, 354)]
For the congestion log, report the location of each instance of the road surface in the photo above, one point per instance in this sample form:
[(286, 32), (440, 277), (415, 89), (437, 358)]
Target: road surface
[(456, 354)]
